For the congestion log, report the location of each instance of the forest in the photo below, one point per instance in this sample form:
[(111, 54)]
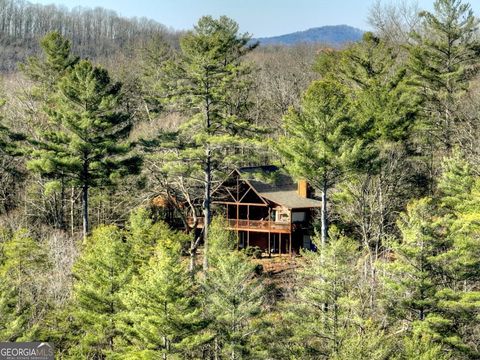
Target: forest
[(105, 120)]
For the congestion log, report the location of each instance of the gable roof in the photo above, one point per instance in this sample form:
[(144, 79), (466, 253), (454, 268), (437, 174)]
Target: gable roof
[(276, 186)]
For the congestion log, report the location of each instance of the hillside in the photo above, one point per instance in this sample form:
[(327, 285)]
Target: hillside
[(95, 33), (336, 36)]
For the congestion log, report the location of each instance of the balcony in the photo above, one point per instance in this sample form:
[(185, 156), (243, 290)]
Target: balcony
[(251, 225)]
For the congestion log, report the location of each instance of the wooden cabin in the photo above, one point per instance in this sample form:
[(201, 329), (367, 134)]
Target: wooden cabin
[(267, 209)]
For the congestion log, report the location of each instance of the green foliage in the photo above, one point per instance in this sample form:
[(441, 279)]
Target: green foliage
[(88, 110), (443, 60), (409, 291), (57, 60), (22, 304), (318, 144), (143, 235), (411, 282), (88, 147), (101, 274), (432, 280), (209, 82), (456, 182), (385, 106), (369, 342), (162, 311), (422, 348), (321, 313), (233, 298)]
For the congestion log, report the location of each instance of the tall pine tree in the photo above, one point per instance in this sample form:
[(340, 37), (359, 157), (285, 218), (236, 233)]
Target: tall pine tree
[(234, 296), (91, 148), (101, 273), (443, 61), (318, 315), (318, 145), (209, 82), (163, 312)]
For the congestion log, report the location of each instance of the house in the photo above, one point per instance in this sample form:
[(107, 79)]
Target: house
[(267, 209)]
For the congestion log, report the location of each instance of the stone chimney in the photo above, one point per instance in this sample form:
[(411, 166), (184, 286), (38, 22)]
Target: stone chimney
[(302, 189)]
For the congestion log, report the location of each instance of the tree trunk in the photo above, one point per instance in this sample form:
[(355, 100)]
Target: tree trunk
[(206, 205), (85, 210), (324, 216), (208, 178), (72, 212)]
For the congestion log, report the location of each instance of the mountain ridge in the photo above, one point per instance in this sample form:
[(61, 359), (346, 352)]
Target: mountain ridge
[(333, 35)]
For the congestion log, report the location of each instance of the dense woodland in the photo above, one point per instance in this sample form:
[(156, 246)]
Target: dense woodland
[(95, 143)]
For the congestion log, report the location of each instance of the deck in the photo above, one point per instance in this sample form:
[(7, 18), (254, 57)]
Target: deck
[(252, 225)]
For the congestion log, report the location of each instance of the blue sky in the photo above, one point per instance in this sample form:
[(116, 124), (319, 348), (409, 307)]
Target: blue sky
[(258, 17)]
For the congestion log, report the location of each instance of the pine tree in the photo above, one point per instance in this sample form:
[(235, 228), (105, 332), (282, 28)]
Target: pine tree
[(233, 297), (364, 343), (91, 148), (143, 235), (384, 113), (411, 281), (422, 348), (458, 295), (432, 283), (101, 274), (45, 72), (385, 104), (443, 61), (318, 145), (22, 299), (56, 62), (320, 312), (163, 314), (209, 82)]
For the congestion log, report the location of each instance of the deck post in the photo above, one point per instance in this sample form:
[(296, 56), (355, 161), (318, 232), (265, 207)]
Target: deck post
[(237, 224), (280, 244), (290, 243), (290, 234), (269, 248)]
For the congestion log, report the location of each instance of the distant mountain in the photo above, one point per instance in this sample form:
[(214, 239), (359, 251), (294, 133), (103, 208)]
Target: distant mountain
[(336, 36)]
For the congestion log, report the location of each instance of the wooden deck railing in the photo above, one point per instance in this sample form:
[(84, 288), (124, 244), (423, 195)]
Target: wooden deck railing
[(251, 225)]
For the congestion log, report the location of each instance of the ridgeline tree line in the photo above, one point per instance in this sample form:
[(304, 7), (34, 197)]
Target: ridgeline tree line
[(95, 33), (386, 130)]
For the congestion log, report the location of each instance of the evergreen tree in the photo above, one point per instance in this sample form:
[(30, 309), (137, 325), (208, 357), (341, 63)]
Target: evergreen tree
[(432, 282), (209, 82), (411, 283), (367, 342), (233, 297), (45, 73), (422, 348), (90, 149), (143, 235), (163, 312), (457, 294), (55, 63), (443, 61), (23, 302), (318, 144), (101, 274), (320, 312), (384, 113)]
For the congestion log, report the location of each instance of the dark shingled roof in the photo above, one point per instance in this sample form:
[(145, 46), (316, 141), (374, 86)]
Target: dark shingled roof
[(274, 185)]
